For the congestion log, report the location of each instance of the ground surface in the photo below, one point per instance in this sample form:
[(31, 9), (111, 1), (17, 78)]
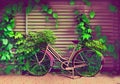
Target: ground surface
[(57, 79)]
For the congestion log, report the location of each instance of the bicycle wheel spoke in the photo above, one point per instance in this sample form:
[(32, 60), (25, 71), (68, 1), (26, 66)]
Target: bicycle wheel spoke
[(92, 60), (36, 68)]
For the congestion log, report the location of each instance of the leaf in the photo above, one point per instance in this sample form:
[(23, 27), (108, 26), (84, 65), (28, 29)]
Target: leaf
[(87, 2), (76, 12), (101, 40), (14, 8), (9, 33), (112, 8), (9, 27), (8, 10), (5, 17), (85, 19), (72, 2), (28, 9), (110, 48), (47, 18), (104, 38), (50, 11), (8, 69), (19, 7), (18, 35), (5, 55), (98, 29), (89, 30), (9, 46), (5, 41), (37, 1), (92, 14), (3, 58), (45, 8), (86, 36), (55, 15)]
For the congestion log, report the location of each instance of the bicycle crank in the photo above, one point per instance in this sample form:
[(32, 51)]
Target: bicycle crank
[(76, 66)]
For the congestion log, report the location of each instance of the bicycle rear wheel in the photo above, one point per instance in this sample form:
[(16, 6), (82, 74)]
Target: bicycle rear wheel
[(33, 66), (89, 57)]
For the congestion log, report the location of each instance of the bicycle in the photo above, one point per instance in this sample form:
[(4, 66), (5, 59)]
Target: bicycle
[(84, 62)]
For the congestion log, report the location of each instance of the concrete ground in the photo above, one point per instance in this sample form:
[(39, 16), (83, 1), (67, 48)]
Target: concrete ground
[(57, 79)]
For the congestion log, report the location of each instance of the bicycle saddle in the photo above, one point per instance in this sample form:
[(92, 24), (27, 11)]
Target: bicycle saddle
[(75, 41)]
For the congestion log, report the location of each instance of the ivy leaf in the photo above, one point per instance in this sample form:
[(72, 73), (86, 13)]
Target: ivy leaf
[(37, 1), (98, 29), (8, 69), (14, 8), (5, 55), (50, 11), (56, 26), (45, 8), (86, 36), (47, 18), (92, 14), (5, 41), (9, 33), (72, 2), (9, 28), (28, 9), (76, 12), (113, 8), (55, 15), (5, 17), (104, 39), (89, 30), (3, 58), (18, 35), (19, 7), (110, 48), (85, 19), (8, 10), (9, 46), (87, 2)]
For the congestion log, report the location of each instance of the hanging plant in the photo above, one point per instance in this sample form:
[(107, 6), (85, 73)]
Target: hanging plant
[(112, 8), (49, 11)]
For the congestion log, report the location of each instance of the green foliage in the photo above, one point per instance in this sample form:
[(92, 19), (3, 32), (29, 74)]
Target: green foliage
[(8, 69), (29, 9), (112, 8), (76, 12), (72, 2), (48, 10), (97, 45), (55, 15), (34, 41), (92, 14), (45, 8), (87, 2), (37, 1), (83, 29)]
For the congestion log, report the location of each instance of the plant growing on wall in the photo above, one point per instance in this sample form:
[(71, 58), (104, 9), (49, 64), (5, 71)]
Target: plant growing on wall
[(26, 47), (7, 34), (85, 34)]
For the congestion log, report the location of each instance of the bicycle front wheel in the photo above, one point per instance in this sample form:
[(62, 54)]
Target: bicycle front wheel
[(91, 59), (36, 68)]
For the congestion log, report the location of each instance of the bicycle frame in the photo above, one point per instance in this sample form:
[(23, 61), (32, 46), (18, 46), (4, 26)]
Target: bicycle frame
[(58, 56)]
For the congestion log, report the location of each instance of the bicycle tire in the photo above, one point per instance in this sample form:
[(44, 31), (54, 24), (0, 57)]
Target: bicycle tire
[(91, 58), (36, 69)]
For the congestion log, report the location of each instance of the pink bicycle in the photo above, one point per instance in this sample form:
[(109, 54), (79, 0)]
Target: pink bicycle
[(84, 62)]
